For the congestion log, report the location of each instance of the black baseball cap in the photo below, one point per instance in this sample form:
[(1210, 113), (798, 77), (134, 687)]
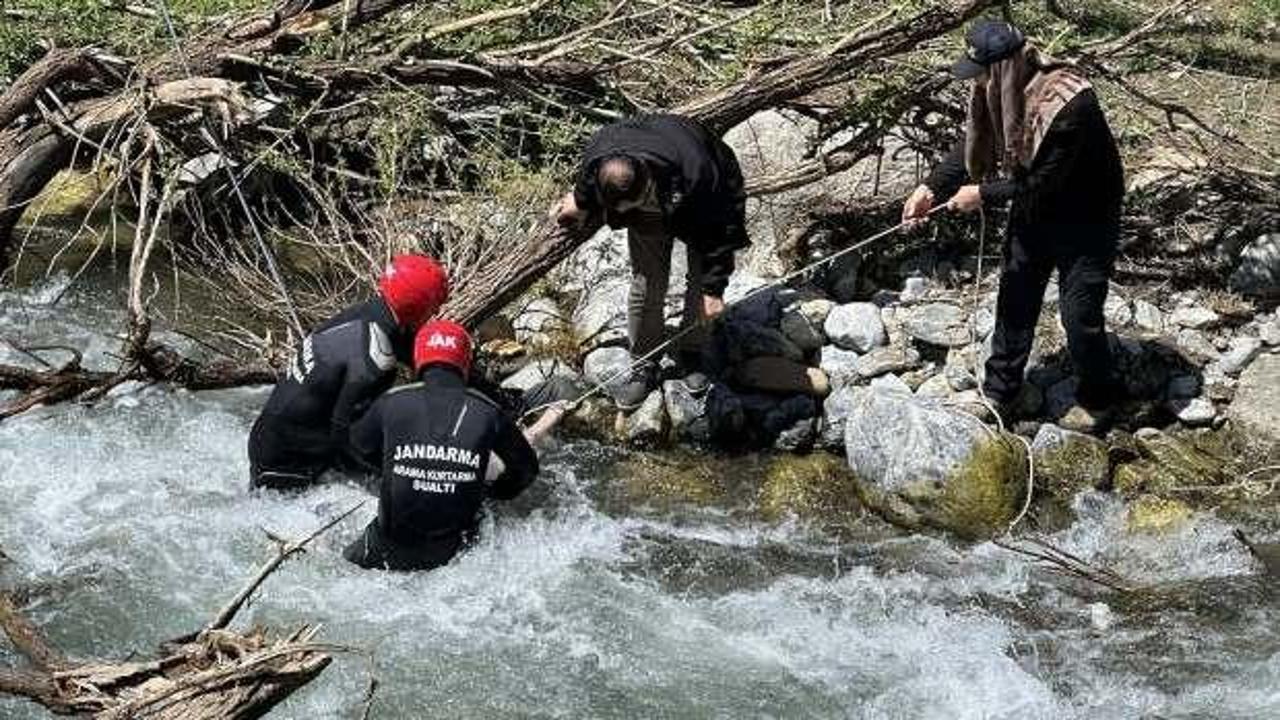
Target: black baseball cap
[(988, 41)]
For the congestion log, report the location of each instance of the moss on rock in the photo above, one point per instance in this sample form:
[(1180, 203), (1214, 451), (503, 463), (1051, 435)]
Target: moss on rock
[(976, 501), (818, 486), (1154, 514)]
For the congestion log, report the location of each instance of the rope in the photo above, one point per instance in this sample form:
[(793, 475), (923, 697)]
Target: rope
[(212, 139), (645, 358)]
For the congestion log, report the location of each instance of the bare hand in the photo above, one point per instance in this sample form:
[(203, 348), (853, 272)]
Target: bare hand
[(567, 213), (918, 204), (712, 306), (966, 200)]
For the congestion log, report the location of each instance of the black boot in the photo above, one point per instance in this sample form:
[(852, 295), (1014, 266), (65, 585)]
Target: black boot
[(631, 394)]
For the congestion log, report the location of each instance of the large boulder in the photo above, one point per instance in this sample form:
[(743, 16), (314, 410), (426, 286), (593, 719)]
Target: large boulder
[(1168, 462), (1257, 397), (919, 464), (539, 372), (608, 366), (835, 409), (856, 326), (940, 324)]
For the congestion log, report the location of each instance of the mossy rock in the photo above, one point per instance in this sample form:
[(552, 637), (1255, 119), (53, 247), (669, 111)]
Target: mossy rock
[(976, 501), (71, 194), (1170, 462), (1153, 514), (818, 487), (1077, 464), (669, 480)]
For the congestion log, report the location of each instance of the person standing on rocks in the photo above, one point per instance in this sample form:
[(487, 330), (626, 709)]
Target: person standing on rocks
[(338, 371), (663, 177), (1036, 137), (431, 442)]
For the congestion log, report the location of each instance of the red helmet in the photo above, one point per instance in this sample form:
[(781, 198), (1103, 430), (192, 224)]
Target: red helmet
[(442, 341), (414, 286)]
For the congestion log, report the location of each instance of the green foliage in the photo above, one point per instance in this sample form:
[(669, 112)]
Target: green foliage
[(76, 23)]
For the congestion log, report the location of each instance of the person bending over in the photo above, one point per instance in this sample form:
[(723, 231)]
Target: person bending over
[(337, 372), (432, 442), (663, 177)]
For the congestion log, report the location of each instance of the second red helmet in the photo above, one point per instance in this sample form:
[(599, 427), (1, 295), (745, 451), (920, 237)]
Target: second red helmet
[(442, 341), (414, 286)]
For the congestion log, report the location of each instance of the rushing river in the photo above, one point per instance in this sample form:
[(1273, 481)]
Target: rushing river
[(129, 522)]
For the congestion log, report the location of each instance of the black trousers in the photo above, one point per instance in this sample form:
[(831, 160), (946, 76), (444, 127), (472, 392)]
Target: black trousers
[(1084, 257), (373, 550)]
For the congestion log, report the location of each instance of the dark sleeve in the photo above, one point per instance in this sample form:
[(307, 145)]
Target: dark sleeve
[(948, 175), (366, 439), (362, 383), (717, 266), (585, 192), (1051, 168), (519, 458)]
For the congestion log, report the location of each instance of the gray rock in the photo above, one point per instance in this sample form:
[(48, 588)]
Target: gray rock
[(1217, 386), (1196, 346), (1148, 316), (1195, 317), (984, 322), (536, 373), (939, 324), (742, 284), (1257, 398), (1242, 352), (856, 326), (835, 408), (688, 414), (1269, 332), (894, 441), (646, 425), (600, 316), (1067, 462), (937, 387), (886, 360), (1117, 310), (815, 309), (839, 364), (914, 289), (539, 319), (1183, 387), (1193, 412), (1259, 270), (890, 384), (802, 331), (608, 366)]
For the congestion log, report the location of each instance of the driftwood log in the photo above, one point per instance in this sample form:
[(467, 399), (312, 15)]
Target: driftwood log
[(213, 673)]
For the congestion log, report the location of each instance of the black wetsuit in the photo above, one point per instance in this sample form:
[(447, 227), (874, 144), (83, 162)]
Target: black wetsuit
[(337, 373), (432, 440), (1065, 214), (700, 185)]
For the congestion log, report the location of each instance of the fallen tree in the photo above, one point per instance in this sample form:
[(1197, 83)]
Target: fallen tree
[(213, 673)]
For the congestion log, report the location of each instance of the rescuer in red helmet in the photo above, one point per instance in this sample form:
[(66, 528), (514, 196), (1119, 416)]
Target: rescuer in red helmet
[(432, 442), (338, 371)]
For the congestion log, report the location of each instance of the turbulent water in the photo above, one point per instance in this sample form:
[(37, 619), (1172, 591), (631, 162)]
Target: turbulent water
[(129, 522)]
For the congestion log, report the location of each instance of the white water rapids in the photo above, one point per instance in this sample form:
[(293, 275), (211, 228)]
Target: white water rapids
[(132, 521)]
